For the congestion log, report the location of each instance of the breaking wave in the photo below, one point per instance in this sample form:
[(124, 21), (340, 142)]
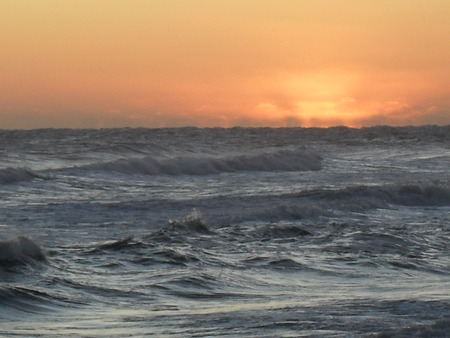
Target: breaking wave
[(20, 250), (280, 160), (193, 223)]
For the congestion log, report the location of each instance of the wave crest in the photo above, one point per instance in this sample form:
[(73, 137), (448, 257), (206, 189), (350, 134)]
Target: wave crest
[(279, 160), (193, 223), (20, 250), (13, 175)]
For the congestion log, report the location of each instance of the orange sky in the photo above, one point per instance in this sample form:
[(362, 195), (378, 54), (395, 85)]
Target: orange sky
[(206, 63)]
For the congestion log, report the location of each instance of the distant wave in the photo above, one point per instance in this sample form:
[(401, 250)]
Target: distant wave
[(378, 196), (325, 202), (13, 175), (20, 250), (278, 160)]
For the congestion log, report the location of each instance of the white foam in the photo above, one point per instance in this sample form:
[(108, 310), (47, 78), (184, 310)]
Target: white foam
[(192, 222)]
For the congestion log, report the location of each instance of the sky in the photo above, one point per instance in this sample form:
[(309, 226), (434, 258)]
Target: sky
[(223, 63)]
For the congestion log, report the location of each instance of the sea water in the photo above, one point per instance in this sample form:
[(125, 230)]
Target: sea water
[(245, 232)]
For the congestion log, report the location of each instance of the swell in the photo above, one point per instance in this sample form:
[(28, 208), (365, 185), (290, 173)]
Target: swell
[(106, 138), (24, 299), (189, 258), (13, 175), (379, 196), (276, 160), (435, 328), (285, 245), (310, 204)]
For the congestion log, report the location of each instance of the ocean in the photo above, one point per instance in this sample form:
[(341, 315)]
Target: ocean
[(240, 232)]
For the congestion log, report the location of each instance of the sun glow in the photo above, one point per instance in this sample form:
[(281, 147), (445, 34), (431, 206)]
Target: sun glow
[(223, 63), (320, 99)]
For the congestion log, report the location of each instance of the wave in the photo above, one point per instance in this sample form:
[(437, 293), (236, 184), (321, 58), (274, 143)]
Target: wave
[(17, 300), (20, 250), (381, 196), (315, 203), (277, 231), (191, 223), (436, 328), (13, 175), (278, 160), (25, 299)]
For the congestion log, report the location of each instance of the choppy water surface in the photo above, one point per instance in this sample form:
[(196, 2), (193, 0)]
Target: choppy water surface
[(225, 232)]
